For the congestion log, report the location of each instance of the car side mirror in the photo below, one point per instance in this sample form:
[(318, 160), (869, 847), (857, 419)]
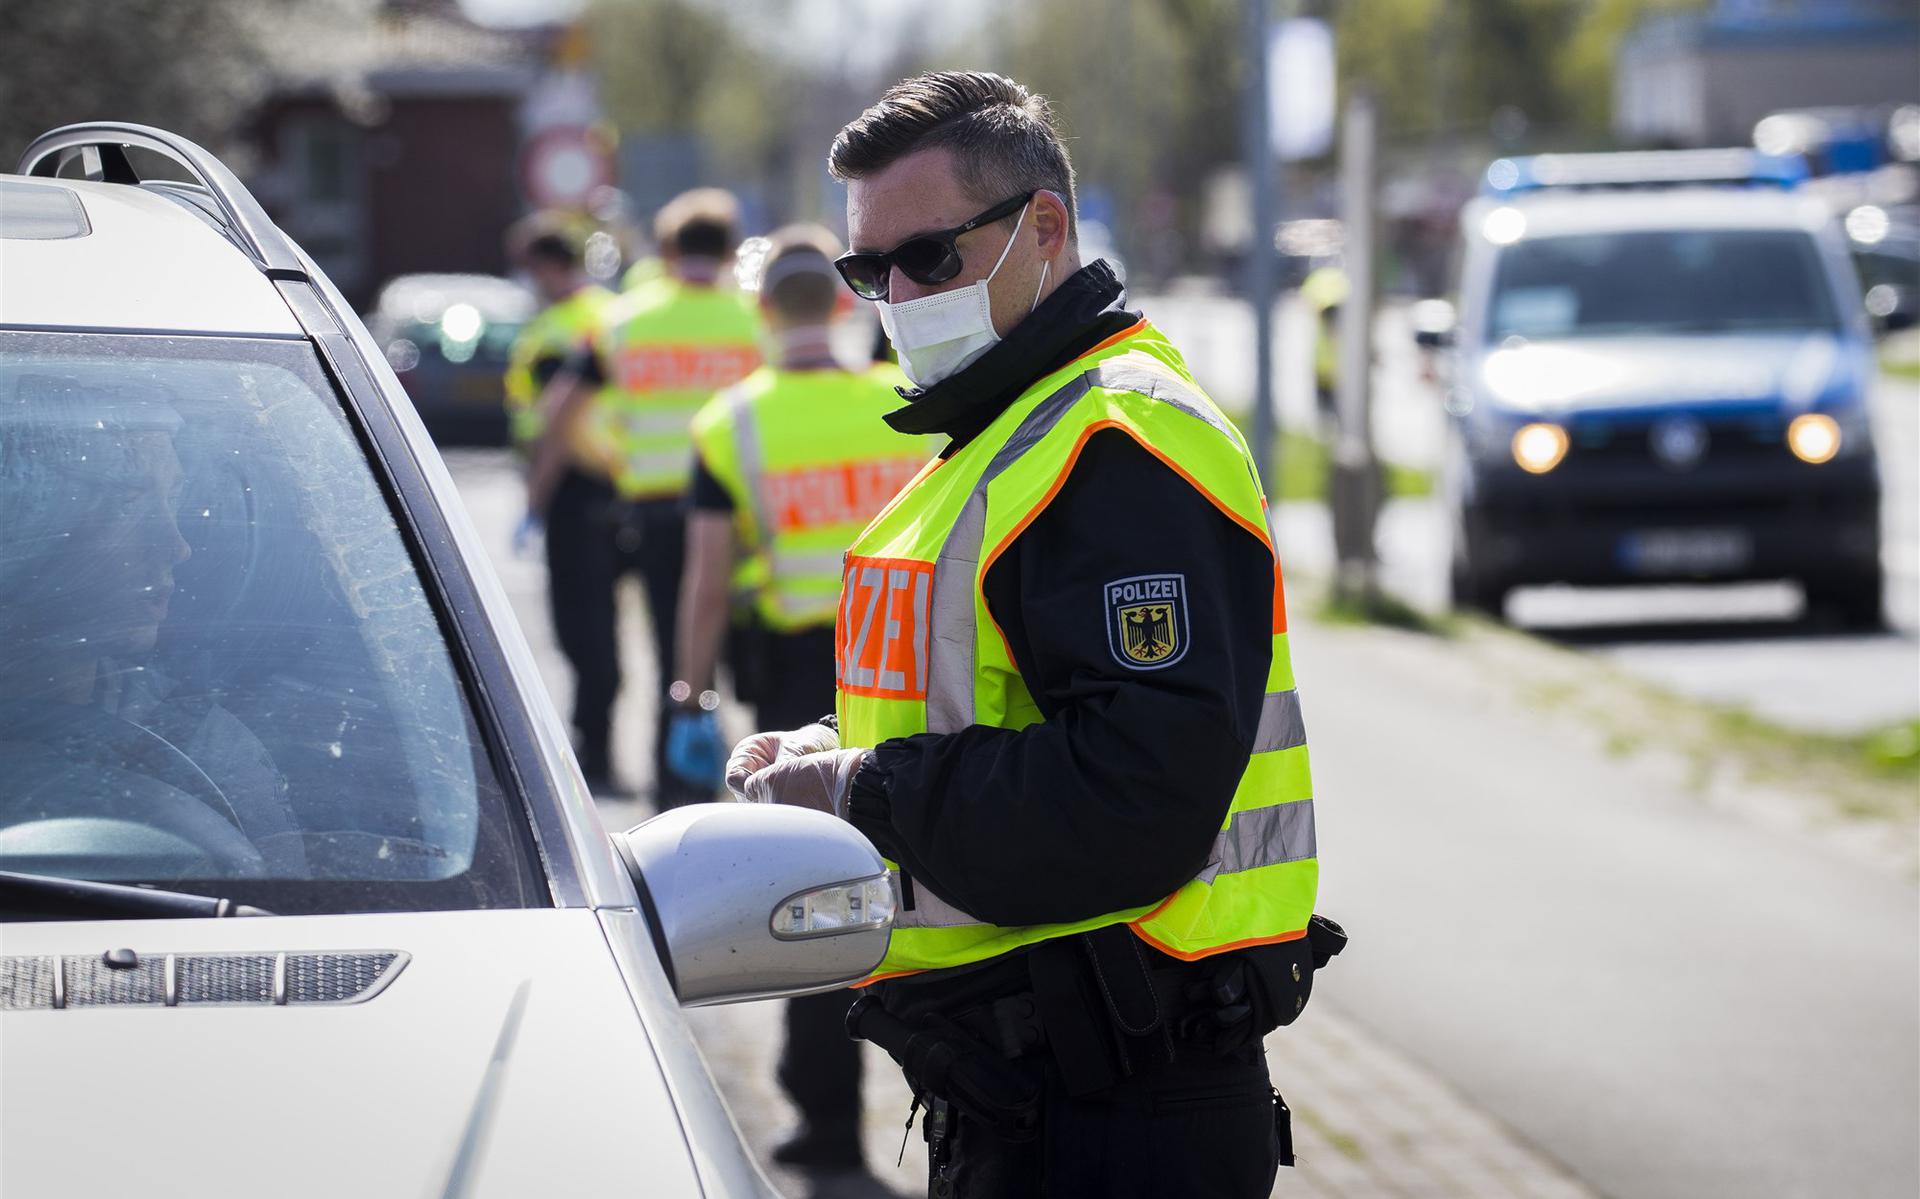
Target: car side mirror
[(758, 901)]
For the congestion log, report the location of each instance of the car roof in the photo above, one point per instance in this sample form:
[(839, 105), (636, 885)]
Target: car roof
[(137, 259), (1554, 213)]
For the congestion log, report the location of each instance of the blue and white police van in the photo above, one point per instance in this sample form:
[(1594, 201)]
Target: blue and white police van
[(1660, 373)]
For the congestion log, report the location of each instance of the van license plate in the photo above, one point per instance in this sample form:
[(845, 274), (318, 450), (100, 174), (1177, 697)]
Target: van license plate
[(1686, 551)]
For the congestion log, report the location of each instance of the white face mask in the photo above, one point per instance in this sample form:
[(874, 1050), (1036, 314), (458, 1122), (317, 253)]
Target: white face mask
[(938, 336)]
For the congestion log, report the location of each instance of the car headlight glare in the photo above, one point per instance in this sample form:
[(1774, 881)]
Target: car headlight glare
[(1539, 447), (1814, 437)]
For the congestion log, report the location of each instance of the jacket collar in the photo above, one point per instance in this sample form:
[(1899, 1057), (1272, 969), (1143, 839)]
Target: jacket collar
[(1081, 312)]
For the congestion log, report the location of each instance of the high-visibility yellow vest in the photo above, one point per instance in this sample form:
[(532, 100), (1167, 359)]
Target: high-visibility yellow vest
[(917, 650), (808, 461), (556, 332), (1324, 290), (667, 346)]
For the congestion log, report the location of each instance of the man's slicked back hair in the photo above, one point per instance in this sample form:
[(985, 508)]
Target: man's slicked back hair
[(1001, 135)]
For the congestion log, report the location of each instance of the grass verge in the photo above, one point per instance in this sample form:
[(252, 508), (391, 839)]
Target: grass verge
[(1305, 466), (1862, 788), (1871, 776)]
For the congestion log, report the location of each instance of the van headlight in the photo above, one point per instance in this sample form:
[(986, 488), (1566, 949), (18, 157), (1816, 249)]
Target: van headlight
[(1814, 437), (1539, 447)]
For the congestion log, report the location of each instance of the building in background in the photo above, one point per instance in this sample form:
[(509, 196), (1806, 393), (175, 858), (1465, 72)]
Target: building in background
[(390, 141), (1707, 77)]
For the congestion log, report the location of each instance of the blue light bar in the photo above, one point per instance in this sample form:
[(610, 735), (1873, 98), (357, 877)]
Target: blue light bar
[(1643, 169)]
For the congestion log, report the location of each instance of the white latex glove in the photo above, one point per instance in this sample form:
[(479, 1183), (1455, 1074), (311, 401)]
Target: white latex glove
[(819, 781), (762, 750)]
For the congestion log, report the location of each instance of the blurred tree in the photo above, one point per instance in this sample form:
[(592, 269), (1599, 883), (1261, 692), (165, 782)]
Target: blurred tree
[(1586, 60), (1147, 94), (191, 66), (683, 67), (1449, 68)]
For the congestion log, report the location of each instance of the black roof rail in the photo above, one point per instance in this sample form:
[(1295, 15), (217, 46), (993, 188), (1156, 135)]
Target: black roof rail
[(101, 147)]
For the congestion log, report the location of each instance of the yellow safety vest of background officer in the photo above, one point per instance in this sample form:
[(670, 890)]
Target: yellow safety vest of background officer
[(657, 353), (790, 464), (570, 305), (1066, 708)]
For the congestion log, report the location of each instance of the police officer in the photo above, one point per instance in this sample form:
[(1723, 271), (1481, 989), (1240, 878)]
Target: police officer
[(1325, 289), (570, 303), (1066, 711), (790, 465), (656, 355), (582, 552)]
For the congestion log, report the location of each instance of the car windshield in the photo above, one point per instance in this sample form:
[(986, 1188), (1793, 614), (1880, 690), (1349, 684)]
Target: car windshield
[(1671, 281), (219, 668)]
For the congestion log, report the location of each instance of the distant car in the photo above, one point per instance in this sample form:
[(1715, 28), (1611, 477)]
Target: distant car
[(301, 891), (1659, 375), (447, 337)]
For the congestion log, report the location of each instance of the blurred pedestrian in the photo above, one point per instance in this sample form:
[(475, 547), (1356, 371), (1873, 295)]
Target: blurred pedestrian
[(790, 465), (655, 356), (550, 259), (1325, 289), (1066, 713)]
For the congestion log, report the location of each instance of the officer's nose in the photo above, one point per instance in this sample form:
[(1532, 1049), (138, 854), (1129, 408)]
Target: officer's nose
[(900, 289)]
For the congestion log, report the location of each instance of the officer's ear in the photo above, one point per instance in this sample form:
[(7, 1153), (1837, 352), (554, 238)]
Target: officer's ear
[(1050, 224)]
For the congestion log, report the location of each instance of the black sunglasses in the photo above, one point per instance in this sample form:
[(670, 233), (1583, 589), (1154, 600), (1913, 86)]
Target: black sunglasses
[(928, 258)]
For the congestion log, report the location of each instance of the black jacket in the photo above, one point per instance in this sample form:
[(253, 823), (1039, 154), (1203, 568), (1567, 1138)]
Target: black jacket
[(1113, 800)]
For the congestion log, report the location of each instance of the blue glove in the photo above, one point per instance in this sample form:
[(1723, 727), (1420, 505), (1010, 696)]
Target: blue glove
[(695, 753), (528, 536)]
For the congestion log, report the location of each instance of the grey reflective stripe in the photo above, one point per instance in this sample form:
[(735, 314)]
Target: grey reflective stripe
[(1127, 374), (1262, 837), (928, 911), (1119, 374), (746, 446), (658, 462), (655, 422), (807, 607), (950, 670), (819, 562), (1280, 724)]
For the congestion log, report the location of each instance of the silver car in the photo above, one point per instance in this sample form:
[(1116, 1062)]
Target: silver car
[(301, 892)]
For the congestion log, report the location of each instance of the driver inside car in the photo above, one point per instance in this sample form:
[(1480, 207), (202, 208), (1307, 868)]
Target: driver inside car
[(107, 768)]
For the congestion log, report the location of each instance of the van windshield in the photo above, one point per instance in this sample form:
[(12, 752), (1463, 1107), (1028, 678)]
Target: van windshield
[(219, 668), (1661, 282)]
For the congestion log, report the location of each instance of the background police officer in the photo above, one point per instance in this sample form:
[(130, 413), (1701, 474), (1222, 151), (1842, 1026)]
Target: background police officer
[(790, 464), (570, 302), (1064, 694), (657, 353)]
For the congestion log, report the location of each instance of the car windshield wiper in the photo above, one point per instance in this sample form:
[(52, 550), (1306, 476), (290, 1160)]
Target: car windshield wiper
[(51, 897)]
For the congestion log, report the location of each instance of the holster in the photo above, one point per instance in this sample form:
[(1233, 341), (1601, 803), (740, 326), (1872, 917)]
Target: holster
[(1281, 973), (941, 1060)]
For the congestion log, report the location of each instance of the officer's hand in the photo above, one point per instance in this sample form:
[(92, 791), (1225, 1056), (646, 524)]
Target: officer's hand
[(695, 753), (762, 750), (819, 781)]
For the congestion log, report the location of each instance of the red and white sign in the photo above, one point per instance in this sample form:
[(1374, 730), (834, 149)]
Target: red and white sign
[(561, 166)]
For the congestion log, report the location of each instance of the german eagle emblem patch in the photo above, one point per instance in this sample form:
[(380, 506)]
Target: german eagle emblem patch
[(1147, 620)]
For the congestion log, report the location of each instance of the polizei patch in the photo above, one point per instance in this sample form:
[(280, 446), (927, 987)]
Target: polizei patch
[(1147, 620)]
